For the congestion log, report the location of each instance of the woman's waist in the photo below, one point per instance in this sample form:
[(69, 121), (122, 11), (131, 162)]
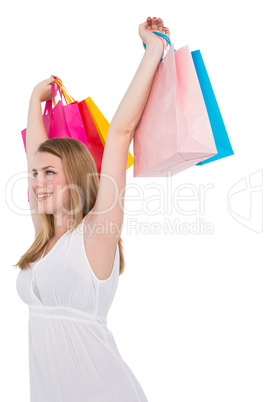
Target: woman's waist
[(66, 313)]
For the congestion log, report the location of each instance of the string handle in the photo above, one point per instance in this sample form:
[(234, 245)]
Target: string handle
[(62, 91), (162, 36)]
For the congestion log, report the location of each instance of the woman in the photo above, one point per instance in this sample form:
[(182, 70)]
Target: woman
[(76, 258)]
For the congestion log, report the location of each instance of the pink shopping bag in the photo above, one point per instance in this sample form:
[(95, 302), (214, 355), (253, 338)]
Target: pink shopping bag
[(61, 121), (174, 132)]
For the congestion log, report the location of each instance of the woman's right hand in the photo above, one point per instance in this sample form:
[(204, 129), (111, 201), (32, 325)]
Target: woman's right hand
[(43, 90)]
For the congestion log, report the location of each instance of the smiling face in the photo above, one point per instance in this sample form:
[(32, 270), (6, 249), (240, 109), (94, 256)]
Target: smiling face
[(48, 177)]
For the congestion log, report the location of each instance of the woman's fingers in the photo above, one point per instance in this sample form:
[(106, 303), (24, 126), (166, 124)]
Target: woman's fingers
[(56, 78), (154, 24), (149, 23), (160, 24), (166, 31), (56, 86)]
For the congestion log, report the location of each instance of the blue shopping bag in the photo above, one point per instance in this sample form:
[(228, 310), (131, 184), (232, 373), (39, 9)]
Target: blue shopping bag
[(221, 138)]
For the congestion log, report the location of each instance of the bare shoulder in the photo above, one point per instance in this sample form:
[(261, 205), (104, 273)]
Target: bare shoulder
[(100, 249)]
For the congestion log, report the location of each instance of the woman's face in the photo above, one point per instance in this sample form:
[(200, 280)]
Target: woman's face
[(49, 177)]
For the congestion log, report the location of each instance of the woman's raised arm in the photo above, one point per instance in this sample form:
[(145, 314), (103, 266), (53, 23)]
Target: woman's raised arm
[(109, 205), (130, 110), (36, 135)]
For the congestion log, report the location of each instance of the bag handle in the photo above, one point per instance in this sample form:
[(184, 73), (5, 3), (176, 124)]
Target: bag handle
[(48, 105), (63, 91), (163, 36), (69, 99)]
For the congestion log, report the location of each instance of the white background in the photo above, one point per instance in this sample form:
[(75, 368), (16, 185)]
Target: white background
[(190, 313)]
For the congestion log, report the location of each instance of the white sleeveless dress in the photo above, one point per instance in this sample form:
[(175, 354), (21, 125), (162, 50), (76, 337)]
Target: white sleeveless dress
[(73, 356)]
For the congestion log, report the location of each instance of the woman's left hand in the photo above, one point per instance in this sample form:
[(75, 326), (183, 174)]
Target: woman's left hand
[(152, 24)]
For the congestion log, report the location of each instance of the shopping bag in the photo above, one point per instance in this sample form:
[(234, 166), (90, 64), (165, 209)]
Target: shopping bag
[(95, 144), (221, 138), (102, 125), (174, 132), (62, 121), (94, 140)]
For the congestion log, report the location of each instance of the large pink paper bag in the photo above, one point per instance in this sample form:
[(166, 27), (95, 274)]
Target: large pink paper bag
[(174, 132)]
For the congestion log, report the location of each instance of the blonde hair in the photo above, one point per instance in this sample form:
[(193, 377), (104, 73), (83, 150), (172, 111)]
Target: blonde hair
[(77, 164)]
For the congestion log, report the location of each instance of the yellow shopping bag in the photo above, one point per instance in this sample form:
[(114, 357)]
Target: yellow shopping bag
[(102, 125)]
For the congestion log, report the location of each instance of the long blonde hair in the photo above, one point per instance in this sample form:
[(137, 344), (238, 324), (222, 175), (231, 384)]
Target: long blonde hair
[(77, 164)]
